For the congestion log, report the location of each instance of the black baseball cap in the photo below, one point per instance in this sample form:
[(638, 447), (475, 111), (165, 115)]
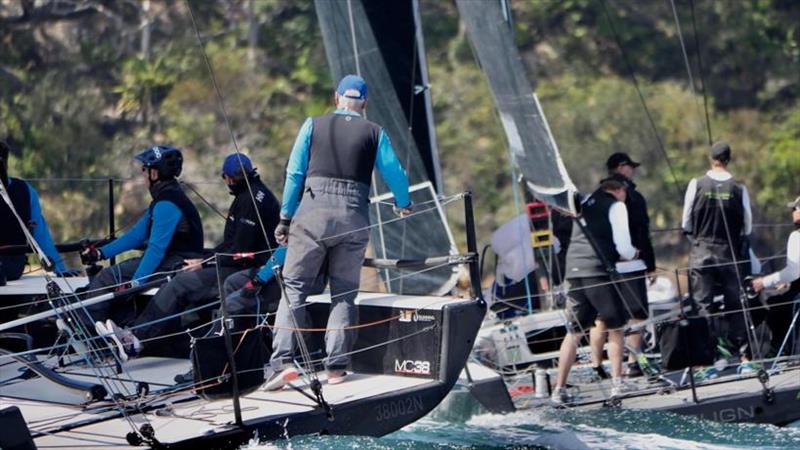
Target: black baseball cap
[(795, 204), (720, 151), (620, 159)]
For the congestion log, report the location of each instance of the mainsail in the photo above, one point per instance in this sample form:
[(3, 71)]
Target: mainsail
[(530, 141), (394, 67)]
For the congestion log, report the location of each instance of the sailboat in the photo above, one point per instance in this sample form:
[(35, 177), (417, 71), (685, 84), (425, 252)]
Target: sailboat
[(522, 350), (414, 335)]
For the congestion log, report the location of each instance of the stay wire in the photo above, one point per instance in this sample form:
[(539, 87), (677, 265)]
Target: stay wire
[(685, 55), (635, 81), (702, 72), (40, 253)]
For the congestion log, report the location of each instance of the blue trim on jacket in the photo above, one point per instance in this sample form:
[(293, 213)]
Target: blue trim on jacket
[(386, 162), (41, 231), (166, 216), (265, 274)]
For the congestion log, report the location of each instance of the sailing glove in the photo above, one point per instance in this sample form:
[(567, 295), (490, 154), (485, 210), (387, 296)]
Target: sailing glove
[(252, 287), (91, 254), (402, 212), (282, 231)]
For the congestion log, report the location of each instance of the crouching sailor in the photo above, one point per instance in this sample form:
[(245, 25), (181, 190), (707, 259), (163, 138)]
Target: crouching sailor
[(243, 247), (170, 228), (331, 166), (26, 203)]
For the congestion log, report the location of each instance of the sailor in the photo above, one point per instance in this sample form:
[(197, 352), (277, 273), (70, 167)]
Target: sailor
[(716, 218), (331, 165), (170, 228), (633, 286), (782, 306), (593, 300), (244, 247), (26, 203)]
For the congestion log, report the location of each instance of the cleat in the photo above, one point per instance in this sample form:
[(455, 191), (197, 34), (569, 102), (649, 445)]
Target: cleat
[(282, 378)]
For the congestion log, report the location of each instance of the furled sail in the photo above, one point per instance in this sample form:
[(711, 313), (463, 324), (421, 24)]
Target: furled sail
[(382, 43), (530, 141)]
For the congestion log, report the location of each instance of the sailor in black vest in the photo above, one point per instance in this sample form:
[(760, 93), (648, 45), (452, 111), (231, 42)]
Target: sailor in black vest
[(633, 288), (331, 165), (593, 300), (716, 217), (244, 247), (170, 229), (26, 203), (783, 306)]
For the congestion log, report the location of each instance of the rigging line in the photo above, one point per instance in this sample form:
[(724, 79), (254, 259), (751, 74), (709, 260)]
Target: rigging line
[(353, 36), (205, 200), (410, 136), (635, 81), (752, 337), (223, 110), (685, 55), (357, 61), (702, 73), (45, 261)]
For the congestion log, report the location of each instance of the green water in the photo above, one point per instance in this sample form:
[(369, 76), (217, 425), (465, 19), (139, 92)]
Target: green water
[(561, 429)]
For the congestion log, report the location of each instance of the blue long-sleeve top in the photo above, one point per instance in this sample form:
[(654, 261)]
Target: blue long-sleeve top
[(386, 162), (278, 257), (166, 216), (41, 232)]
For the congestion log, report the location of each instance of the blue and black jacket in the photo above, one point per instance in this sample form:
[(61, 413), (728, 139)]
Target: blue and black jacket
[(26, 202), (342, 145), (171, 225)]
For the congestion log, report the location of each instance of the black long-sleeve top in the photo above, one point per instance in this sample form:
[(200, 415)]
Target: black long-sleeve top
[(243, 233)]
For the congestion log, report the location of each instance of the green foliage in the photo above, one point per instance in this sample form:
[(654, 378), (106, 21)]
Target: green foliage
[(81, 97)]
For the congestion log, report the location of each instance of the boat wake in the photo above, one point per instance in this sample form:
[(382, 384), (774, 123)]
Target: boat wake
[(562, 429)]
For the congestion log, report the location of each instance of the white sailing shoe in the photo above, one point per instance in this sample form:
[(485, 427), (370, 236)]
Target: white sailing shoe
[(128, 345), (619, 387), (560, 396), (282, 378), (336, 376)]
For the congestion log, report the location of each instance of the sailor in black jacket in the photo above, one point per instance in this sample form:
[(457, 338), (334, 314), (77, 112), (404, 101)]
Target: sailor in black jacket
[(245, 246), (634, 287)]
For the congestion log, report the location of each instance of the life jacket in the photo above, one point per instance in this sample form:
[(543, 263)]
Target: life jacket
[(717, 212), (582, 259), (20, 195), (343, 146), (188, 236)]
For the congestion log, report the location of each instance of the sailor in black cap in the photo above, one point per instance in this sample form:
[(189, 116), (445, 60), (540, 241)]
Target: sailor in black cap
[(633, 288), (717, 217)]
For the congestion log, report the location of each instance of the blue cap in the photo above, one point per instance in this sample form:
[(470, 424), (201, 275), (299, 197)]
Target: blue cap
[(353, 86), (234, 163)]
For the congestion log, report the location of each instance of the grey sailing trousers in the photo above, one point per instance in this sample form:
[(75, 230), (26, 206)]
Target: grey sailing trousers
[(330, 224)]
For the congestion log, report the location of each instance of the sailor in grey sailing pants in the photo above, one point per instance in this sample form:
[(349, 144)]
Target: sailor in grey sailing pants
[(331, 224)]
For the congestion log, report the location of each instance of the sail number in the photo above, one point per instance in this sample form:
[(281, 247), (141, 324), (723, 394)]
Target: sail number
[(398, 408)]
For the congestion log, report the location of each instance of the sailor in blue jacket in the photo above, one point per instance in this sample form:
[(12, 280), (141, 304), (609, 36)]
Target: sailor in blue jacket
[(26, 203), (331, 167), (170, 230)]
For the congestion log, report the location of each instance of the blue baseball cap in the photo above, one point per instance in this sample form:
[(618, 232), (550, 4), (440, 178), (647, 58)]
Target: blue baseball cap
[(353, 86), (234, 163)]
